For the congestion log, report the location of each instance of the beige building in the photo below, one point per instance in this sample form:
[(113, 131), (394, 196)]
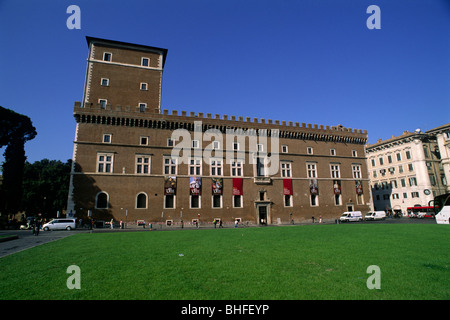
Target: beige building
[(406, 171), (128, 164)]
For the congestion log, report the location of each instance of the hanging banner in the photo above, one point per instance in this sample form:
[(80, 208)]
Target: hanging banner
[(359, 188), (313, 187), (217, 186), (170, 185), (287, 187), (195, 186), (237, 187), (337, 187)]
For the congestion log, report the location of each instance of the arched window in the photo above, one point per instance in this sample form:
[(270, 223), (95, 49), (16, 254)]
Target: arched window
[(101, 202), (141, 201)]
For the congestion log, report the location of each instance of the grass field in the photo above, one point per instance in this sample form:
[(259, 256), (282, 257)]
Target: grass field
[(295, 262)]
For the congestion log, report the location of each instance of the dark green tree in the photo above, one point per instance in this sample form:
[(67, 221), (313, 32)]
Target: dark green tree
[(15, 130), (45, 187)]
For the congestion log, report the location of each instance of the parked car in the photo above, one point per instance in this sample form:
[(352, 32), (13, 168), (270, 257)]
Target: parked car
[(375, 215), (60, 224), (351, 216)]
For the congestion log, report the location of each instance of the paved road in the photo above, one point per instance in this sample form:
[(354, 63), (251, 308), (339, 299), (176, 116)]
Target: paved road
[(27, 240)]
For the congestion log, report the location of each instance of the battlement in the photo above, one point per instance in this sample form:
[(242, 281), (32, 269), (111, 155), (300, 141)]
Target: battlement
[(201, 116)]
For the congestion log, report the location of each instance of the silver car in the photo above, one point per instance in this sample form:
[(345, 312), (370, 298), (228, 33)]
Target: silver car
[(59, 224)]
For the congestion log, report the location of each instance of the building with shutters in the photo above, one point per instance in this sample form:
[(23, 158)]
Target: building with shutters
[(409, 170), (134, 162)]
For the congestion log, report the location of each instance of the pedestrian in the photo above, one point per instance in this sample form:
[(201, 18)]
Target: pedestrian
[(220, 224), (215, 223), (320, 219), (313, 219), (37, 226), (112, 223), (236, 222)]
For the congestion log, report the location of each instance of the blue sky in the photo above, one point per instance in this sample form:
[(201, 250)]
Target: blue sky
[(312, 61)]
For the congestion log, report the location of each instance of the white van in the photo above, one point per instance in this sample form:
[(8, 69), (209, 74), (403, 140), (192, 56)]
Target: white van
[(351, 216), (59, 224), (375, 215)]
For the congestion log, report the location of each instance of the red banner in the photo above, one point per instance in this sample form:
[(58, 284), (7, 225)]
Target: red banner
[(237, 187), (287, 187)]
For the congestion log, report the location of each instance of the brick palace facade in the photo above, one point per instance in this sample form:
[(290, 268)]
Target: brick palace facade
[(262, 172)]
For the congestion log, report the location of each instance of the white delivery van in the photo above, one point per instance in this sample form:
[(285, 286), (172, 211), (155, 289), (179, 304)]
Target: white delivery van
[(375, 215), (441, 206), (59, 224), (351, 216)]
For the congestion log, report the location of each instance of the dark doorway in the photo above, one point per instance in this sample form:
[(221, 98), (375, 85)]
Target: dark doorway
[(262, 212)]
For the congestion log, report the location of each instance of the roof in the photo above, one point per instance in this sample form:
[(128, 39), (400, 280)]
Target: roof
[(128, 45), (406, 134), (437, 129)]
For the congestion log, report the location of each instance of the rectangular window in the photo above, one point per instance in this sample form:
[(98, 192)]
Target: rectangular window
[(236, 168), (309, 150), (286, 169), (332, 152), (169, 201), (170, 142), (408, 154), (314, 200), (337, 200), (195, 144), (399, 156), (105, 162), (311, 170), (107, 56), (394, 184), (403, 182), (142, 107), (195, 167), (216, 167), (105, 82), (143, 141), (335, 171), (354, 153), (236, 146), (389, 159), (170, 166), (144, 86), (414, 194), (237, 201), (145, 62), (287, 200), (432, 180), (260, 147), (356, 169), (142, 164), (410, 167), (284, 148), (381, 161), (195, 201), (412, 182), (103, 103), (107, 138), (217, 201), (260, 171)]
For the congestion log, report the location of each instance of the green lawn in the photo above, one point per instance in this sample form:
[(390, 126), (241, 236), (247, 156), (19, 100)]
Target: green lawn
[(295, 262)]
